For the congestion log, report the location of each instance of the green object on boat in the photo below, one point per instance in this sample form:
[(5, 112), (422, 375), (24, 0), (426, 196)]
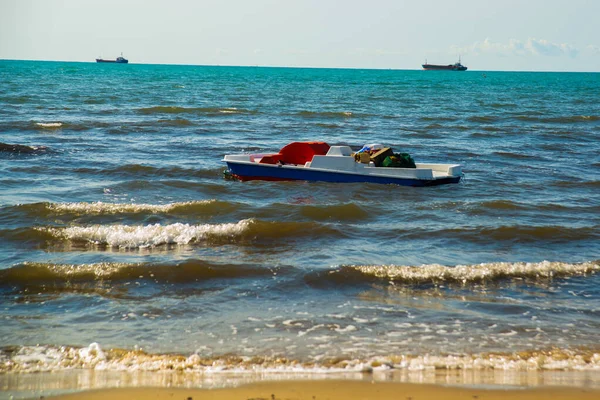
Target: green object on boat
[(399, 160)]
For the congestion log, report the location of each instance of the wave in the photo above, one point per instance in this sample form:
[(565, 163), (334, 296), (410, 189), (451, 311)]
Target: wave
[(488, 128), (464, 274), (198, 208), (83, 125), (490, 235), (95, 100), (327, 114), (42, 274), (534, 233), (514, 155), (501, 205), (48, 358), (16, 99), (209, 111), (175, 122), (149, 236), (132, 237), (438, 118), (548, 207), (328, 126), (137, 170), (22, 149), (26, 235), (49, 125), (510, 233), (504, 205), (343, 212), (583, 184), (202, 207), (560, 120), (502, 105), (484, 119)]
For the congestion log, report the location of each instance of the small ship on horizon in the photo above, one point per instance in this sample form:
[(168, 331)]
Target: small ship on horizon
[(450, 67), (119, 60)]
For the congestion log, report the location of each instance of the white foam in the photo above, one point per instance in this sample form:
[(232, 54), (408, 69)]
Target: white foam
[(49, 124), (129, 237), (314, 328), (230, 110), (477, 272), (48, 358), (349, 328), (115, 208), (92, 354)]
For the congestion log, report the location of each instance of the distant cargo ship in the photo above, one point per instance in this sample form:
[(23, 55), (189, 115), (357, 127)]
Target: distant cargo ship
[(119, 60), (450, 67)]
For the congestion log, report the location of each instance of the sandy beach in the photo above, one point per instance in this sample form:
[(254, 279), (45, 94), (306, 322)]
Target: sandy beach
[(336, 390)]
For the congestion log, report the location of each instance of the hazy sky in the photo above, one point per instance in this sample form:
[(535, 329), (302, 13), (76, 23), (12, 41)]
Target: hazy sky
[(531, 35)]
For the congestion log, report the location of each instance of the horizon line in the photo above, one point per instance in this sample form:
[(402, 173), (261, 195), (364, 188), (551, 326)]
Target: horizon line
[(299, 67)]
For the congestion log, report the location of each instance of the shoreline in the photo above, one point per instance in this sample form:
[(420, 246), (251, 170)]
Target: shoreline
[(336, 390), (82, 383)]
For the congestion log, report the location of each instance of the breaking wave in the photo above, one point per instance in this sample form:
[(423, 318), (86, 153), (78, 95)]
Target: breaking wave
[(30, 273), (22, 213), (462, 274), (185, 208), (49, 125), (148, 236), (32, 359), (131, 237)]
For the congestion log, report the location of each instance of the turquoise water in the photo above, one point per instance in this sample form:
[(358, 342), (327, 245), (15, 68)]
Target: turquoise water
[(117, 226)]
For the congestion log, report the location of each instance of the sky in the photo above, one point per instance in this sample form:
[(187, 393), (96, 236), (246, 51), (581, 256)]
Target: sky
[(488, 35)]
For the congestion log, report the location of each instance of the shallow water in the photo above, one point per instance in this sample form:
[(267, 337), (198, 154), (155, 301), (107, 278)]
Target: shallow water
[(117, 226)]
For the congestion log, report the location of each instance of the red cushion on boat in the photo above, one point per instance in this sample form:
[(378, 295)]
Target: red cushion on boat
[(270, 159), (301, 152)]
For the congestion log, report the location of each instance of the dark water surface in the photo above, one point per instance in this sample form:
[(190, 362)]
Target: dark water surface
[(123, 246)]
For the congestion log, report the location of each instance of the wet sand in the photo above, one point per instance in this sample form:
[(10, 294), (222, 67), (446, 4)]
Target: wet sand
[(338, 390)]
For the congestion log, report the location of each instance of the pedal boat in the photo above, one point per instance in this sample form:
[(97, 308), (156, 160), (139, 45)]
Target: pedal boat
[(317, 161)]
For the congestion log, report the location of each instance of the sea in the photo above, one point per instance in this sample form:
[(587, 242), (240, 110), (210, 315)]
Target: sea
[(129, 257)]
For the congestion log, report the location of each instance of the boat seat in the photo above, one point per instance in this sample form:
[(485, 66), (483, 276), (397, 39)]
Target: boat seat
[(271, 159), (297, 153), (300, 152)]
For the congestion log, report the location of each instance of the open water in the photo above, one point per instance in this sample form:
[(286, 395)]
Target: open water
[(123, 247)]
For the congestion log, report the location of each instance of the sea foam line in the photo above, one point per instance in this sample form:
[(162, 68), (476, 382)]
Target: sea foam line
[(128, 237), (29, 359), (434, 273), (116, 208)]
